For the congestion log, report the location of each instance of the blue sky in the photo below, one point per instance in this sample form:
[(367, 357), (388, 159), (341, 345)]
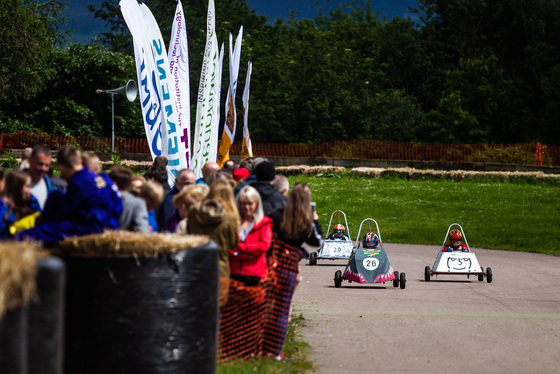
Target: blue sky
[(85, 26)]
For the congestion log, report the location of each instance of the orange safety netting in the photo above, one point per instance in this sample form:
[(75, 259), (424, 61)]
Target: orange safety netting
[(241, 323), (523, 153), (255, 319), (24, 139)]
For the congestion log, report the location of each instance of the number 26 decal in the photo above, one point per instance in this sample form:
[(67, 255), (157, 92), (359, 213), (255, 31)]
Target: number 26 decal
[(371, 263)]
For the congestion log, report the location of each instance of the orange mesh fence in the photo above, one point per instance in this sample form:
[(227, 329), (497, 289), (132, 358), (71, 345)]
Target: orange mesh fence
[(24, 139), (524, 153), (241, 324), (255, 319)]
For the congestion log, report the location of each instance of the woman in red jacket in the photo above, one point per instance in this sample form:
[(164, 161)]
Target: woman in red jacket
[(248, 266), (248, 261)]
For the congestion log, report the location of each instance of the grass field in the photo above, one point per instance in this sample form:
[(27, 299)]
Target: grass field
[(522, 215)]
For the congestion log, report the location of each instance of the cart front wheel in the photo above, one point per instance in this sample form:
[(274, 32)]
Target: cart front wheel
[(489, 275), (403, 281), (313, 258), (396, 280), (427, 272), (337, 278)]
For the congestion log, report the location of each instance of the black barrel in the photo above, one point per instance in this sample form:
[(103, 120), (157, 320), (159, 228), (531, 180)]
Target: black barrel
[(13, 342), (46, 323), (144, 314)]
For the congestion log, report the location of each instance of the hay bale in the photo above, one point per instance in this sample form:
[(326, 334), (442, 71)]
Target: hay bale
[(412, 173), (367, 172), (292, 170), (115, 243), (142, 303), (18, 269), (46, 319)]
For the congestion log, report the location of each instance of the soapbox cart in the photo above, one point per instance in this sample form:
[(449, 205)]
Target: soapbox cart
[(335, 249), (369, 265), (457, 262)]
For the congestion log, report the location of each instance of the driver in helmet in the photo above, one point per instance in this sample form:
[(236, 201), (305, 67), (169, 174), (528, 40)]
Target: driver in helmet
[(339, 233), (370, 240), (455, 244)]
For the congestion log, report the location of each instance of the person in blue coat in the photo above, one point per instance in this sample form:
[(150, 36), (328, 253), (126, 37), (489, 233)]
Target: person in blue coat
[(91, 204)]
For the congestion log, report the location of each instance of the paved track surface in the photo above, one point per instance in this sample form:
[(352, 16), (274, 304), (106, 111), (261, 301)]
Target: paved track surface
[(448, 325)]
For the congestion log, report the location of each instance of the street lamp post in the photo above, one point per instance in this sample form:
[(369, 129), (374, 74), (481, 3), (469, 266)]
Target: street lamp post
[(130, 91)]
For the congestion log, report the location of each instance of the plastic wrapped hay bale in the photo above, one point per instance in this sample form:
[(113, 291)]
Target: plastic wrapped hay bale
[(18, 269), (139, 303), (45, 318)]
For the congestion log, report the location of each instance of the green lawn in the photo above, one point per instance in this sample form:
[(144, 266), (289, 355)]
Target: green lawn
[(521, 216)]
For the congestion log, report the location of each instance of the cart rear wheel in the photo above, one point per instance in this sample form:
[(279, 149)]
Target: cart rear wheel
[(480, 277), (489, 275), (396, 280), (313, 258), (427, 272), (337, 278), (403, 281)]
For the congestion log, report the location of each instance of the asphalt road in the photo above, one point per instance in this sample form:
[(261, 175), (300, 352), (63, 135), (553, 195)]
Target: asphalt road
[(448, 325)]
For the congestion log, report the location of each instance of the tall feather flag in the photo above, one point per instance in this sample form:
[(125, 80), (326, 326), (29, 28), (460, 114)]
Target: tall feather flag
[(156, 94), (204, 149), (230, 125), (179, 69), (220, 70), (246, 147)]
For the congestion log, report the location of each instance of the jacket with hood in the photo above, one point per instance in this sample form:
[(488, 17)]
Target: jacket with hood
[(273, 200), (210, 218)]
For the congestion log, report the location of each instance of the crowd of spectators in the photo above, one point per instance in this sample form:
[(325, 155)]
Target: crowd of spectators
[(258, 225)]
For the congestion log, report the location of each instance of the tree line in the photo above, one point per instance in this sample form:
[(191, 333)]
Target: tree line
[(456, 71)]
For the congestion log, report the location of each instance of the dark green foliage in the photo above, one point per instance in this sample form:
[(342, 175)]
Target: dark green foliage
[(29, 31), (70, 105), (463, 71)]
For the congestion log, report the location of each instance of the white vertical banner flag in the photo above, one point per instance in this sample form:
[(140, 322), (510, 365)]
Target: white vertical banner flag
[(247, 147), (170, 134), (230, 125), (156, 94), (208, 100), (220, 74), (179, 69), (147, 74)]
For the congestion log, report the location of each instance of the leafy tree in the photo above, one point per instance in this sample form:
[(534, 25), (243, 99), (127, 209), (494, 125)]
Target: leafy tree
[(30, 30), (485, 102), (397, 117), (70, 104), (451, 122)]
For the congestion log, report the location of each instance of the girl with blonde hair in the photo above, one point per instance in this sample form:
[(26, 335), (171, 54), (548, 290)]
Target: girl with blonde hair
[(187, 197), (223, 192)]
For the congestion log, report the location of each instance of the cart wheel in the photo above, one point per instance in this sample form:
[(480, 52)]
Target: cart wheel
[(427, 272), (337, 278), (396, 280), (480, 277), (403, 281), (489, 275), (313, 258)]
